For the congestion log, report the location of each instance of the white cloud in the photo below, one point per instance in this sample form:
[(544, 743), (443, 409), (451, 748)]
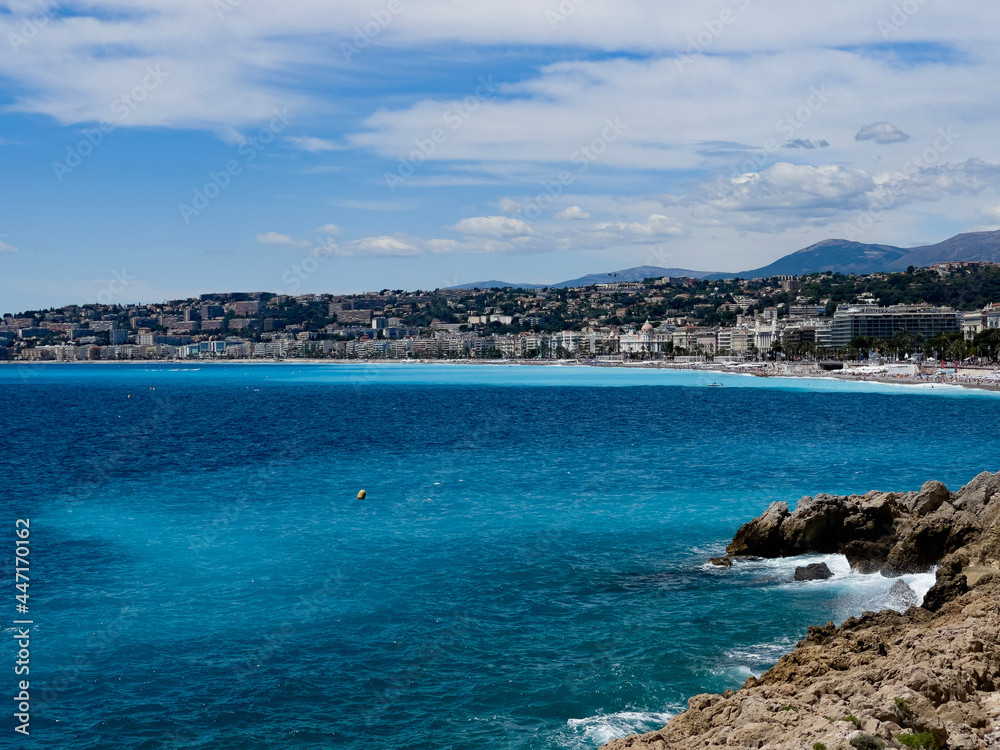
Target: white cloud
[(791, 186), (5, 248), (314, 145), (882, 133), (573, 212), (932, 183), (785, 98), (274, 238), (509, 206), (494, 226), (228, 70), (475, 245), (656, 226), (382, 246), (329, 229)]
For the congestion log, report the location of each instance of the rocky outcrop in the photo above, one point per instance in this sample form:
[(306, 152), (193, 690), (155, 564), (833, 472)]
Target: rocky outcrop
[(887, 532), (813, 572), (930, 674), (762, 536)]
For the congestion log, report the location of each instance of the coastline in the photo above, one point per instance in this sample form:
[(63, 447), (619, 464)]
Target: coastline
[(760, 370)]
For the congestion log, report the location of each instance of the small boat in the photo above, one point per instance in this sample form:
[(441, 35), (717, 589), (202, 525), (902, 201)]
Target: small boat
[(714, 385)]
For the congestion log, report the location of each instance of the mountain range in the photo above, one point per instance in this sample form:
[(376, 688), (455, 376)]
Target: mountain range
[(843, 256), (638, 273), (860, 258)]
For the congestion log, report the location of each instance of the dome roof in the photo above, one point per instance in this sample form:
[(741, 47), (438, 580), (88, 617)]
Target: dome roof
[(647, 327)]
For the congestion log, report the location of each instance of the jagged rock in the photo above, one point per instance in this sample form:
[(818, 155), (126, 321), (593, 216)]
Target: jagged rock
[(723, 562), (949, 583), (761, 536), (919, 548), (867, 557), (813, 572), (978, 493), (964, 527), (815, 526), (901, 596), (930, 497)]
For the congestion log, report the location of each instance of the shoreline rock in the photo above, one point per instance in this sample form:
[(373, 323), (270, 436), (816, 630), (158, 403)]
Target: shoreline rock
[(933, 670), (813, 572), (887, 532)]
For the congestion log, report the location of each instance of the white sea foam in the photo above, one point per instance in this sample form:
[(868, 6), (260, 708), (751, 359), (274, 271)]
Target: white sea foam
[(860, 592), (761, 654), (596, 730), (850, 592)]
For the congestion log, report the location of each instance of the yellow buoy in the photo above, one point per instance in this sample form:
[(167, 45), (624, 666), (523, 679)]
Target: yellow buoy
[(361, 495)]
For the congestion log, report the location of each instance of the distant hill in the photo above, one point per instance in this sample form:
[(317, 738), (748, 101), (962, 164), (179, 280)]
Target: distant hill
[(845, 256), (494, 284), (968, 247), (829, 255), (638, 273), (630, 274)]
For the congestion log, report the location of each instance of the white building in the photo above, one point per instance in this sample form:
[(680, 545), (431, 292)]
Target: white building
[(646, 341)]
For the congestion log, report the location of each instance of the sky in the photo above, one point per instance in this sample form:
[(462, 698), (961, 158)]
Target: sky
[(153, 151)]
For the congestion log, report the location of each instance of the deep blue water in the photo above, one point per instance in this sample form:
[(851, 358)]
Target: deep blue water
[(527, 570)]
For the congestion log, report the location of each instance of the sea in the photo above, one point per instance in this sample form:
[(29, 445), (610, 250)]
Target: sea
[(527, 569)]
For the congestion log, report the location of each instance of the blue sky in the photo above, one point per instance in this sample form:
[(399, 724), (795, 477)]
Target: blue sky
[(340, 147)]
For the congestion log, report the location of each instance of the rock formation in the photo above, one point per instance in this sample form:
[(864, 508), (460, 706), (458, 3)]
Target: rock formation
[(893, 533), (813, 572), (929, 675)]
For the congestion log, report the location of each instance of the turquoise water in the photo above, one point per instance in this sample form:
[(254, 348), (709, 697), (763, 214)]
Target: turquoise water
[(527, 570)]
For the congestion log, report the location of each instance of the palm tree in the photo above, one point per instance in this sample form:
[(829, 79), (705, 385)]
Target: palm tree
[(957, 349)]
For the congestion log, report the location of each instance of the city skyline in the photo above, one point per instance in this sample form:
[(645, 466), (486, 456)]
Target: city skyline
[(161, 155)]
